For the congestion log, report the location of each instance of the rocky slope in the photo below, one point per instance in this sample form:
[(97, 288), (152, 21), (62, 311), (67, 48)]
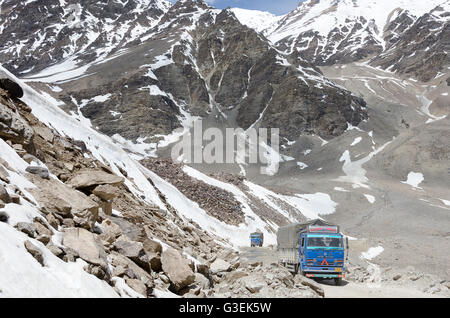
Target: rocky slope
[(72, 202)]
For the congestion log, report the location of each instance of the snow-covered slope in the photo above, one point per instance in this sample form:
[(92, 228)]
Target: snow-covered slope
[(255, 19), (341, 31), (37, 34)]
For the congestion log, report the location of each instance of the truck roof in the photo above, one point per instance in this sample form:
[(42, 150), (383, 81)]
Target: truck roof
[(287, 236)]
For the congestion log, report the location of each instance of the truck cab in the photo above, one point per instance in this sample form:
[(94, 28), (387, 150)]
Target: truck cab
[(321, 253), (256, 239)]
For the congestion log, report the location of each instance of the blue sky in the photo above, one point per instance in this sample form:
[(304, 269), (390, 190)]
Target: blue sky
[(275, 6)]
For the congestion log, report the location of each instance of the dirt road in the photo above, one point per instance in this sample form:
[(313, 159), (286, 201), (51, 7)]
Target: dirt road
[(348, 289)]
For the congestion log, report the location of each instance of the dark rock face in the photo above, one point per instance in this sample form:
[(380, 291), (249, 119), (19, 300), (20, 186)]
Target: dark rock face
[(13, 89)]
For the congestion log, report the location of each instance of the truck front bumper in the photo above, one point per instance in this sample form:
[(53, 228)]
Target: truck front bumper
[(324, 275), (325, 272)]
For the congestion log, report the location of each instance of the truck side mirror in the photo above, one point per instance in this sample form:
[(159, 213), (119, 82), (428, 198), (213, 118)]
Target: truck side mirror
[(346, 243)]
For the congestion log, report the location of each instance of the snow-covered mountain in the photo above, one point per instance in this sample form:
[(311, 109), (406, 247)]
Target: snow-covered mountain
[(255, 19), (195, 61), (327, 32), (37, 34)]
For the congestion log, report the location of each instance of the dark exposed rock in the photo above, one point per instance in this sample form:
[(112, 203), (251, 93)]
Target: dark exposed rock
[(14, 90), (4, 217)]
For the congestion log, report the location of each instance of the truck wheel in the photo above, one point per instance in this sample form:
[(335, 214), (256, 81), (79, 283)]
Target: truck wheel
[(338, 281)]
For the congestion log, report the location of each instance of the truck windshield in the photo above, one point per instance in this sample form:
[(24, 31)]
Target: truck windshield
[(324, 241)]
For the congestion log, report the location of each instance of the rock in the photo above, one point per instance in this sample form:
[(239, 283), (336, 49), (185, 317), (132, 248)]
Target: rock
[(122, 265), (252, 285), (98, 272), (4, 175), (45, 133), (29, 158), (151, 246), (111, 231), (397, 277), (52, 220), (203, 269), (202, 281), (40, 171), (86, 244), (219, 265), (310, 283), (27, 228), (155, 262), (44, 239), (88, 178), (14, 128), (4, 196), (132, 250), (177, 269), (15, 198), (106, 207), (13, 89), (138, 286), (34, 251), (2, 204), (58, 198), (55, 250), (42, 229), (105, 192), (4, 217)]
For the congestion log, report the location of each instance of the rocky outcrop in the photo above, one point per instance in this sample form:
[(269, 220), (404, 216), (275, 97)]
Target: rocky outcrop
[(13, 127), (59, 199), (87, 245), (88, 178), (14, 90)]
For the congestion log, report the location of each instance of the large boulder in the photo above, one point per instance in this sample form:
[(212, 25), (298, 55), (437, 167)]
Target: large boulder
[(87, 245), (13, 89), (177, 269), (89, 178), (310, 283), (56, 197)]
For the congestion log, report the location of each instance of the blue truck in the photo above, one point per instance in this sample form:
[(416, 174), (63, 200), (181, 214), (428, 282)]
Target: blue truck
[(314, 249), (256, 239)]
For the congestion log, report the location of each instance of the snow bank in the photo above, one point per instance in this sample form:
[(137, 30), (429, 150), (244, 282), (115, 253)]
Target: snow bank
[(414, 179), (23, 276), (372, 253)]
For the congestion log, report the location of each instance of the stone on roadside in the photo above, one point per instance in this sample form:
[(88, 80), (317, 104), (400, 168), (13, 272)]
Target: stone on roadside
[(177, 269), (310, 283)]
